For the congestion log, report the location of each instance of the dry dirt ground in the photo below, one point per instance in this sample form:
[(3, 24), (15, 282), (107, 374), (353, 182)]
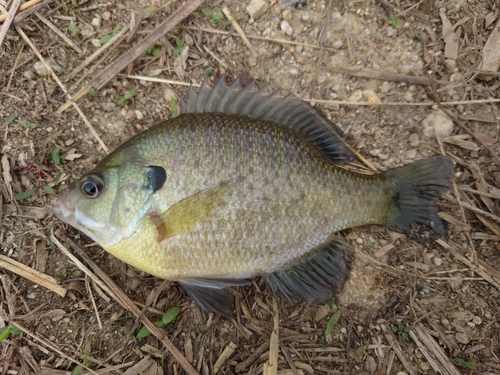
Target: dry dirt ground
[(408, 308)]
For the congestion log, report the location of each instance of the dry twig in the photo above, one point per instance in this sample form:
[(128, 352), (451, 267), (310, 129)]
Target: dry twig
[(239, 30)]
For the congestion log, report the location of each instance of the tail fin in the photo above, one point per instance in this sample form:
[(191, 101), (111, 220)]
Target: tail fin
[(415, 189)]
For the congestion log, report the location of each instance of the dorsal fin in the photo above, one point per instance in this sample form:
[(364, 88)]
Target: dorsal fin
[(288, 111)]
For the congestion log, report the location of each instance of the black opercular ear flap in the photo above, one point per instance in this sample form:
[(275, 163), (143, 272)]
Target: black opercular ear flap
[(156, 177)]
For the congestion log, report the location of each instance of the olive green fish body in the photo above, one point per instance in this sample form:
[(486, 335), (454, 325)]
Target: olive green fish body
[(283, 197), (245, 184)]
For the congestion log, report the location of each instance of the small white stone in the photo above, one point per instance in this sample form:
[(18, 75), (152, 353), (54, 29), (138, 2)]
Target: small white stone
[(383, 156), (256, 8), (437, 261), (477, 320), (338, 44), (285, 26), (42, 70), (462, 338), (411, 154), (294, 72), (139, 115), (438, 123), (69, 142), (96, 22), (375, 152)]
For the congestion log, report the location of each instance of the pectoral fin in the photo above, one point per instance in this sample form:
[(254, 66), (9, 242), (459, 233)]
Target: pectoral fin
[(187, 213), (316, 278), (213, 294)]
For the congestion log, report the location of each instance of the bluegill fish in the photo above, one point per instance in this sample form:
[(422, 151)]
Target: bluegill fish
[(245, 184)]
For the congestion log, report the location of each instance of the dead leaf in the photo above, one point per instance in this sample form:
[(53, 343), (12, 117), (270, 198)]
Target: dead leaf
[(451, 38), (491, 50), (458, 140)]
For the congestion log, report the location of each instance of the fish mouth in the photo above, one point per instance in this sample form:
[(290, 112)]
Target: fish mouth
[(63, 209)]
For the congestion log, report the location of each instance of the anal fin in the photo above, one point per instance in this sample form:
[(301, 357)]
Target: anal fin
[(213, 294), (317, 277)]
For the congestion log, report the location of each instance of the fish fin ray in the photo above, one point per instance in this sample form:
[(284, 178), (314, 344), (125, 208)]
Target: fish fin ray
[(233, 99), (213, 294), (186, 213), (415, 189), (316, 278)]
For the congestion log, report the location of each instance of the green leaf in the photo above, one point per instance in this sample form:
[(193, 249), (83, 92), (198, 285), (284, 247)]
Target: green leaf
[(77, 370), (4, 333), (73, 29), (333, 320), (11, 118), (148, 11), (144, 332), (14, 330), (231, 32), (126, 97), (56, 156), (153, 51), (331, 303), (240, 42), (394, 22), (180, 47), (31, 125), (93, 93), (24, 195), (173, 107), (17, 48), (104, 39), (207, 12), (202, 328), (465, 363), (48, 190), (170, 315)]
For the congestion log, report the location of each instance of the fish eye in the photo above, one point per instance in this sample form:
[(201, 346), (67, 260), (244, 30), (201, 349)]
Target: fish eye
[(92, 186)]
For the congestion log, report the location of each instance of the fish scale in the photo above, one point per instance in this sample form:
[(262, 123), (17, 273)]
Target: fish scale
[(240, 186)]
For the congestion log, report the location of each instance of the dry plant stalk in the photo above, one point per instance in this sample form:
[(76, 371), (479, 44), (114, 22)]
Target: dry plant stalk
[(30, 3), (31, 274)]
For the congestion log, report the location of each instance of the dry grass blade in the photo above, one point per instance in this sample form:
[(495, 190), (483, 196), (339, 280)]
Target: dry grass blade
[(383, 76), (116, 39), (112, 70), (14, 10), (432, 351), (483, 272), (491, 51), (31, 274), (10, 18), (59, 32), (391, 338), (239, 30), (56, 78), (128, 304)]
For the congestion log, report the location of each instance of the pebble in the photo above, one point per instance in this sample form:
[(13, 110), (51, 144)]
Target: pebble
[(294, 72), (462, 338), (414, 140), (287, 15), (188, 39), (321, 79), (370, 96), (285, 26), (139, 115), (477, 320), (96, 22), (438, 123), (455, 77), (168, 94), (256, 8), (356, 96), (370, 364), (383, 156), (375, 152), (28, 74), (42, 70), (108, 106), (437, 261), (408, 96), (86, 30), (391, 31), (411, 154), (69, 142), (450, 65), (338, 44), (118, 127)]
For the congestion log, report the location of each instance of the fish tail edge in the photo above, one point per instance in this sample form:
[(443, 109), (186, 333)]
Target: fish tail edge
[(415, 190)]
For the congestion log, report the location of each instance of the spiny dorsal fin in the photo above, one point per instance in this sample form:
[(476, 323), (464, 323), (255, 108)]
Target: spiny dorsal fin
[(288, 111)]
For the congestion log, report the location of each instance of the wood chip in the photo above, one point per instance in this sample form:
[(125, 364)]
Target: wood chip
[(459, 140), (226, 353), (451, 38), (271, 367)]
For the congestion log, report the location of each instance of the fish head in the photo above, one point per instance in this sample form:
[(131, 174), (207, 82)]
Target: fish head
[(109, 205)]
